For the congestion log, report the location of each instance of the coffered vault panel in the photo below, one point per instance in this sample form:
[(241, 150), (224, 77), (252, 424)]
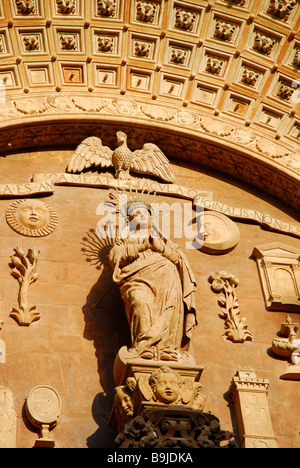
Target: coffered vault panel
[(220, 74)]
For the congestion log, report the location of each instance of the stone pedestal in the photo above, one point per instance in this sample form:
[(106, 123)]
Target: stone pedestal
[(160, 404)]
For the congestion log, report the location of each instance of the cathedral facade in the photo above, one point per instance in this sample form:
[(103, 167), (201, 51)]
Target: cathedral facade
[(149, 243)]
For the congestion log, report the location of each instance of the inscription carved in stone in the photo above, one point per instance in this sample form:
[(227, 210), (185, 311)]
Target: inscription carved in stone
[(106, 7)]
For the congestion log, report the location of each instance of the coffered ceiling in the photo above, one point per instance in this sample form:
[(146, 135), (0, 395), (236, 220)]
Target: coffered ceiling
[(222, 72)]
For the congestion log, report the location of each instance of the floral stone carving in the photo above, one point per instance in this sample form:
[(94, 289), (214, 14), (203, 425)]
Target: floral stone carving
[(288, 346), (162, 406), (156, 284), (25, 7), (43, 409), (236, 326), (24, 270)]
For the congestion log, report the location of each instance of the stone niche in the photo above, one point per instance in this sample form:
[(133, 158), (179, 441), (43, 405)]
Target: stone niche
[(278, 267)]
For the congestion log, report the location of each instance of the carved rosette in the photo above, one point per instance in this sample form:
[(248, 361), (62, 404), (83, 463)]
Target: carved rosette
[(236, 326)]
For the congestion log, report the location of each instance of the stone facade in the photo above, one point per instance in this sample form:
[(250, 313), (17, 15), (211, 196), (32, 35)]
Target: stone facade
[(206, 94)]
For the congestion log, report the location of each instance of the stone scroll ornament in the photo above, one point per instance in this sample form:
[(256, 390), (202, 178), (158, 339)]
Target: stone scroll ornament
[(31, 218), (236, 326), (23, 268)]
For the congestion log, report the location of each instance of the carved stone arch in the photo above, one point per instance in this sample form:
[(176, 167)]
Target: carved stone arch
[(207, 142)]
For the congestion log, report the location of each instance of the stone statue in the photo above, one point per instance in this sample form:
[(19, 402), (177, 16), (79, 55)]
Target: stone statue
[(157, 286), (149, 160)]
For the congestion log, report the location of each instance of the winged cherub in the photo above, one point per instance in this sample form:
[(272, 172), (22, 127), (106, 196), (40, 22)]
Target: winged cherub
[(149, 160)]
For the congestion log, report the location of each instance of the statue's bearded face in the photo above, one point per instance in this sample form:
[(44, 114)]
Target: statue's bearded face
[(33, 214)]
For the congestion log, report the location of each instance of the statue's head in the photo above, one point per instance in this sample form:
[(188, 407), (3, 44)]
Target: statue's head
[(166, 385), (139, 216)]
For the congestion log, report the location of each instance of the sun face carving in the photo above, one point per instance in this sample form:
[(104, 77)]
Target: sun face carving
[(31, 218)]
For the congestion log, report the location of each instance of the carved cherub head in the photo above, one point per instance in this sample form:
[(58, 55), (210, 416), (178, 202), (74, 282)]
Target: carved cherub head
[(166, 385), (125, 397)]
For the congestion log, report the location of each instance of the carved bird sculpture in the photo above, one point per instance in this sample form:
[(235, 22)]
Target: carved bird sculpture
[(149, 160)]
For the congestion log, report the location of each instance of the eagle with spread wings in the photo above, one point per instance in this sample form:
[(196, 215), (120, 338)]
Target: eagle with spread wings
[(149, 160)]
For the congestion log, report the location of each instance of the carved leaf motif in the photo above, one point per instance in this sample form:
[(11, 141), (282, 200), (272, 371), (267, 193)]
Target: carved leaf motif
[(236, 327)]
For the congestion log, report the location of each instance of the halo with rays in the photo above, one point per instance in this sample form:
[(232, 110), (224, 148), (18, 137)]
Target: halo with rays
[(97, 242)]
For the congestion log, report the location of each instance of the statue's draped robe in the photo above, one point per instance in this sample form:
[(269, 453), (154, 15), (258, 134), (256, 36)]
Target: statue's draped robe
[(158, 293)]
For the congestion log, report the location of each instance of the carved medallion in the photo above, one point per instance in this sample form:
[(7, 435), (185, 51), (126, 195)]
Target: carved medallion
[(31, 218), (43, 409), (43, 406), (217, 234)]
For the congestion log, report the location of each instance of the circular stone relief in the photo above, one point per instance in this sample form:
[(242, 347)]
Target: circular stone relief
[(217, 234), (31, 218), (43, 406)]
